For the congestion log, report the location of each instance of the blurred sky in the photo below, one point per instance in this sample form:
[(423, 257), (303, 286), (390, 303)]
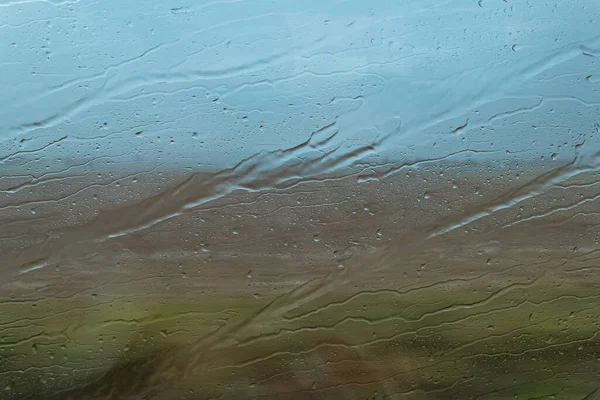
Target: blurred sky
[(201, 85)]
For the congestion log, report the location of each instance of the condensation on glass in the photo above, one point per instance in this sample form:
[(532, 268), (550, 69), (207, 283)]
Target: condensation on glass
[(299, 199)]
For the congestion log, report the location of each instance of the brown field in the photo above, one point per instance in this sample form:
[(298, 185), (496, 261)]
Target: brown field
[(429, 284)]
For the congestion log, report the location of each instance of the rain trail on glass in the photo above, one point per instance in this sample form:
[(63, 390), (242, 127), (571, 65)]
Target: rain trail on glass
[(299, 200)]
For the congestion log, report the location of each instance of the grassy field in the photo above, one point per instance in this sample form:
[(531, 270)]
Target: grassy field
[(510, 332), (336, 292)]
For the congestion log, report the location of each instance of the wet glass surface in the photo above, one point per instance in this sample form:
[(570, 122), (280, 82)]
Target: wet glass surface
[(299, 200)]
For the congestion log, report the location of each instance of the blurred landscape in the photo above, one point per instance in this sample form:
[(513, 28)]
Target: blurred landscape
[(321, 290), (252, 199)]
